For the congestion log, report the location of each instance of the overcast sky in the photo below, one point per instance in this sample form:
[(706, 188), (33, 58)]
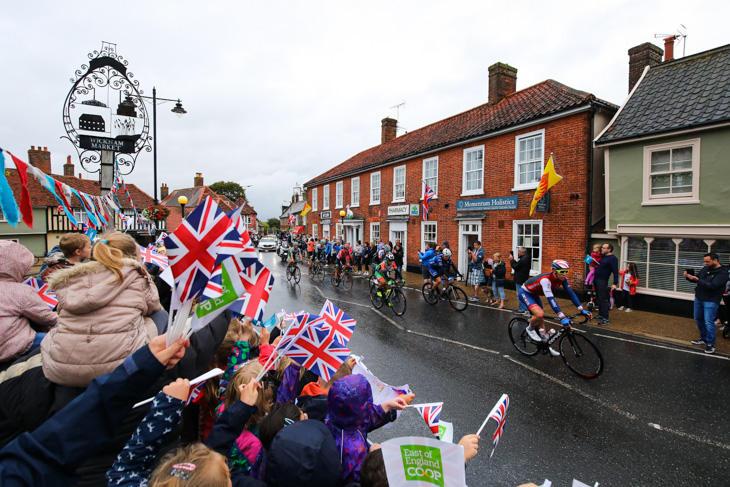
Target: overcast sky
[(278, 92)]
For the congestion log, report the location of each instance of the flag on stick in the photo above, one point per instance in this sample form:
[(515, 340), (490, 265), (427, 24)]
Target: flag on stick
[(317, 351), (431, 413), (498, 413), (149, 256), (340, 325), (549, 179), (428, 195)]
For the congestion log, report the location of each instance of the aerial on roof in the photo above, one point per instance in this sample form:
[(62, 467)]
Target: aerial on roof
[(680, 94), (546, 98)]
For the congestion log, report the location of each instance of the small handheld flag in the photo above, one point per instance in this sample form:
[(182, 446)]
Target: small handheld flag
[(431, 413), (498, 413)]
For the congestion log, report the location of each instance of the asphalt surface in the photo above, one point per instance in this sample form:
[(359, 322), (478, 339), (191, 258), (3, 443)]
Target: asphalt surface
[(656, 416)]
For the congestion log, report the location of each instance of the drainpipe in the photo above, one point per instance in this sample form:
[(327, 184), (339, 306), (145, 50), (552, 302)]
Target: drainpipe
[(589, 227)]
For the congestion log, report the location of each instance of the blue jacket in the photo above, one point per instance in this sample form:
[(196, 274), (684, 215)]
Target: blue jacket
[(606, 266), (426, 256)]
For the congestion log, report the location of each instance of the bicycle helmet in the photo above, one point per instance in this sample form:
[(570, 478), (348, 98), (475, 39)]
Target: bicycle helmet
[(390, 257), (446, 253), (559, 264)]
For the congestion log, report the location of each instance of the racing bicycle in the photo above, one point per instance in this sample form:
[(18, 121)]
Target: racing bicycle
[(293, 272), (391, 295), (345, 278), (455, 295), (317, 270)]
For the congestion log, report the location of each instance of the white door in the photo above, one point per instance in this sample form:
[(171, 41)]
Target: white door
[(469, 232), (400, 231)]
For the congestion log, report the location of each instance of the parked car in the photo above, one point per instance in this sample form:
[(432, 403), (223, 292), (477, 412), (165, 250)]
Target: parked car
[(267, 244)]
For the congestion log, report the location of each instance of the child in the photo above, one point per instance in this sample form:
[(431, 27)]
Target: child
[(629, 281), (103, 313), (596, 258), (487, 286), (75, 248), (20, 305), (499, 273)]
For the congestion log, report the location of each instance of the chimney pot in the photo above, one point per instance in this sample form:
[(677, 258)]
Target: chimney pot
[(40, 158), (669, 48), (646, 54), (502, 82), (164, 191), (68, 168), (388, 129), (198, 180)]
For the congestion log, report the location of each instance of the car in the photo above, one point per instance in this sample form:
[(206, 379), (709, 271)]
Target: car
[(267, 244)]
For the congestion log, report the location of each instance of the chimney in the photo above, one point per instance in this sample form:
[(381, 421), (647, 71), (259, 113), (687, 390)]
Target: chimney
[(502, 82), (164, 191), (646, 54), (669, 48), (68, 168), (198, 180), (40, 158), (388, 129)]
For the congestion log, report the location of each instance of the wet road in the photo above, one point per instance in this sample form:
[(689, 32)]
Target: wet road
[(656, 416)]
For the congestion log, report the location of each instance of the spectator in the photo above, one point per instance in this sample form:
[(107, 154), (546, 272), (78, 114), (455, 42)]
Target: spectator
[(521, 268), (608, 265), (711, 283), (358, 256), (366, 258), (75, 247), (476, 274), (425, 258), (629, 281), (398, 254), (499, 273)]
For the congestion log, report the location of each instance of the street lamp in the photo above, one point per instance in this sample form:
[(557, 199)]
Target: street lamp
[(342, 222), (182, 200), (179, 111)]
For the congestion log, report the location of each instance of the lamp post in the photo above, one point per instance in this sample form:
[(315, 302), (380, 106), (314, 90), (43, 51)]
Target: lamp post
[(179, 111), (342, 222), (182, 200)]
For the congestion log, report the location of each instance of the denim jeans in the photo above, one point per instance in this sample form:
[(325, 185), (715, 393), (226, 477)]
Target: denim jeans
[(705, 312), (37, 341)]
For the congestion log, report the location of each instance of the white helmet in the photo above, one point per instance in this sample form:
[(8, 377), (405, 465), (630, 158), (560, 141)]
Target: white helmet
[(446, 253)]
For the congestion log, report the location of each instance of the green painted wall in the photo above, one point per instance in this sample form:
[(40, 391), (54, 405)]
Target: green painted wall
[(33, 238), (626, 174)]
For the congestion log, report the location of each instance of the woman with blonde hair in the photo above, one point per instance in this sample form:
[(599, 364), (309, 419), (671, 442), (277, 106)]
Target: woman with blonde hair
[(103, 308)]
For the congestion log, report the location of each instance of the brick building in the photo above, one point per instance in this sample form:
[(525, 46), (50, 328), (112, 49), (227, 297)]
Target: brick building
[(484, 165)]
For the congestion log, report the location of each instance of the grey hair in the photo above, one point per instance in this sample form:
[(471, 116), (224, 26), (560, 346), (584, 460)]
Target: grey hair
[(521, 249)]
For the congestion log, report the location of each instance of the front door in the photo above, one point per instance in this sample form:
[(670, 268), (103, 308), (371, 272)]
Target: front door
[(469, 232), (399, 231)]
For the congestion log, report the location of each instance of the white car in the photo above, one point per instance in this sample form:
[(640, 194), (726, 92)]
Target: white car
[(267, 244)]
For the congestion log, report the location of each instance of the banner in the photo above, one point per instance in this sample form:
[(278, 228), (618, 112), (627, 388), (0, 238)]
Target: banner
[(423, 462), (381, 391)]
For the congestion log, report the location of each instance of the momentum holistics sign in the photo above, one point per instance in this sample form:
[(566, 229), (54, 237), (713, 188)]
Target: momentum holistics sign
[(487, 204)]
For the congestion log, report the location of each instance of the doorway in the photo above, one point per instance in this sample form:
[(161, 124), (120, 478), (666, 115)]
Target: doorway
[(399, 231), (469, 232)]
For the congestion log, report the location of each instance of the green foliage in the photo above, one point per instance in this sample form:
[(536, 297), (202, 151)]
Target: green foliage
[(274, 223), (229, 189)]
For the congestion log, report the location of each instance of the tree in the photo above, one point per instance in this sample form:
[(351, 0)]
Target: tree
[(229, 189), (274, 223)]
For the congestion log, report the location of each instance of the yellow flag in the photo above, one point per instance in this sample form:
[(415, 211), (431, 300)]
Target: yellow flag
[(306, 209), (548, 180)]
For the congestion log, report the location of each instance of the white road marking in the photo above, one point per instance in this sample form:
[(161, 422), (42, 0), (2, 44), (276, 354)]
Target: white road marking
[(389, 320), (452, 341), (692, 352), (691, 436)]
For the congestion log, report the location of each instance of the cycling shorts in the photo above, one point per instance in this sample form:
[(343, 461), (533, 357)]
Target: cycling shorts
[(528, 298), (437, 272)]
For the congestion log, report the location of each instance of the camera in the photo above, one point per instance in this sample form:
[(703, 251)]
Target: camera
[(690, 271)]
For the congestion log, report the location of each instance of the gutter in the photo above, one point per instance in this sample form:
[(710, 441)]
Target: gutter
[(668, 132), (589, 226)]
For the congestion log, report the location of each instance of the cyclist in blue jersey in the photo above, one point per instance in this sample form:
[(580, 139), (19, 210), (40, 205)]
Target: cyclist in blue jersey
[(439, 266), (544, 284)]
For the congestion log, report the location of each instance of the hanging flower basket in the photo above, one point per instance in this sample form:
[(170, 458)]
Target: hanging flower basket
[(156, 213)]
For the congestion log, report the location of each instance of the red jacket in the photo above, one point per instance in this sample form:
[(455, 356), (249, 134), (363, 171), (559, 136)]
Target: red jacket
[(632, 283)]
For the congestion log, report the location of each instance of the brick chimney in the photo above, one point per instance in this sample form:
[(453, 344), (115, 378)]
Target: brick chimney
[(164, 191), (669, 48), (502, 82), (646, 54), (388, 131), (68, 168), (40, 158), (198, 180)]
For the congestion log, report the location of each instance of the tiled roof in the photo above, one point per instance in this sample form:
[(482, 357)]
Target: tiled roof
[(41, 197), (195, 196), (684, 93), (542, 99), (247, 209), (294, 208)]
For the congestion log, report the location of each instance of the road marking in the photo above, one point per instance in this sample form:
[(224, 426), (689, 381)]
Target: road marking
[(573, 389), (692, 352), (691, 436), (453, 341), (389, 320)]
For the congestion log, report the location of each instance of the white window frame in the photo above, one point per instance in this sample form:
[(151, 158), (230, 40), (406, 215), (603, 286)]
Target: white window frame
[(479, 190), (515, 223), (81, 216), (423, 229), (326, 197), (518, 139), (435, 187), (325, 230), (339, 194), (373, 226), (396, 198), (672, 199), (373, 200), (355, 193), (2, 217), (314, 230), (314, 199)]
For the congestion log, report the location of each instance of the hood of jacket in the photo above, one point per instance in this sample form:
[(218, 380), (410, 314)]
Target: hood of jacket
[(15, 261), (347, 399)]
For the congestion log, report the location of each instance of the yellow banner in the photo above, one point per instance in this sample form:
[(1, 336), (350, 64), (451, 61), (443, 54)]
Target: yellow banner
[(306, 209), (548, 180)]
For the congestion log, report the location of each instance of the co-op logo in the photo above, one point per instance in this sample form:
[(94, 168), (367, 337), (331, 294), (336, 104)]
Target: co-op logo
[(423, 463)]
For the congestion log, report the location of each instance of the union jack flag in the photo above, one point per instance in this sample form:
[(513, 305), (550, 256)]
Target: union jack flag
[(400, 391), (257, 282), (317, 351), (48, 296), (149, 256), (248, 250), (299, 322), (195, 393), (428, 195), (194, 249), (499, 413), (292, 219), (161, 238), (431, 413), (340, 325)]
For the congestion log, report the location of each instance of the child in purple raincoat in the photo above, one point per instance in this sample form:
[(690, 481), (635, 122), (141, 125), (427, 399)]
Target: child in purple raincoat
[(351, 416)]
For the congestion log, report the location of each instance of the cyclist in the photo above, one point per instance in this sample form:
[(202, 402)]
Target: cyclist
[(344, 259), (439, 266), (293, 255), (544, 284), (382, 271)]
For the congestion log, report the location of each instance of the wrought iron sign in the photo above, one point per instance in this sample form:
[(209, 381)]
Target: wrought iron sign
[(91, 120)]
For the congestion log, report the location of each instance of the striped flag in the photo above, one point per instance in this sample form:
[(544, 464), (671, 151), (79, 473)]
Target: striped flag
[(428, 195), (48, 296), (340, 325), (317, 351), (149, 256), (499, 413), (431, 413)]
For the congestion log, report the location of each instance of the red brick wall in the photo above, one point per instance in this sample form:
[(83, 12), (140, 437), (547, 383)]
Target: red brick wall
[(564, 227)]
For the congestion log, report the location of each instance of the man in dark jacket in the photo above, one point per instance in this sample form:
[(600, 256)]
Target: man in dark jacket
[(521, 268), (607, 266), (711, 283)]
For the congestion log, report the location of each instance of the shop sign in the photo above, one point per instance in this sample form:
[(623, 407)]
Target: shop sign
[(415, 210), (486, 204), (544, 204), (398, 210), (325, 222)]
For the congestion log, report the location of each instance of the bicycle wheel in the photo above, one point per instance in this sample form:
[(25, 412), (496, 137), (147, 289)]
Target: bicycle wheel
[(374, 298), (428, 294), (320, 273), (457, 298), (581, 355), (288, 273), (518, 337), (346, 281), (333, 281), (397, 301), (372, 280), (297, 274)]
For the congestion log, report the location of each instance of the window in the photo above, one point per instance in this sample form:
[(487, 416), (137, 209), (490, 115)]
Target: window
[(375, 188), (473, 177), (375, 232), (326, 197), (325, 230), (338, 231), (528, 234), (428, 234), (431, 175), (355, 192), (248, 220), (671, 173), (314, 231), (338, 194), (2, 216), (314, 199), (529, 156), (81, 216), (399, 184)]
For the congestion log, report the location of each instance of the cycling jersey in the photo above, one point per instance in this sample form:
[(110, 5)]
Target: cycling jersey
[(292, 254), (343, 257), (383, 269), (543, 285), (439, 266)]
